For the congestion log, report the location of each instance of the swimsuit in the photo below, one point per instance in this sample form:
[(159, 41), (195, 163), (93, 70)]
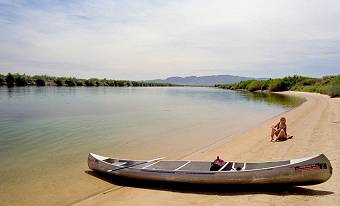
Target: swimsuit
[(284, 129)]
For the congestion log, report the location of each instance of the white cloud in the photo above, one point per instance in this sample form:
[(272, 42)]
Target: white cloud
[(149, 39)]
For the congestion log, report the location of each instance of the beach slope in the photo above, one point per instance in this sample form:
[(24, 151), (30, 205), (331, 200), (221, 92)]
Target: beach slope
[(316, 129)]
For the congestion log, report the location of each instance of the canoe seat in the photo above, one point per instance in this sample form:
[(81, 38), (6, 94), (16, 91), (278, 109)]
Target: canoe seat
[(118, 163), (238, 166), (110, 160), (114, 162), (228, 167)]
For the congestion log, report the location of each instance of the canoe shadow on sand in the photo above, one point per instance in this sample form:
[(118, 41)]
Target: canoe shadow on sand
[(222, 190)]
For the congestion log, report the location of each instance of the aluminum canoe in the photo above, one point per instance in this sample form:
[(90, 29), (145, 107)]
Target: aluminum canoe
[(304, 171)]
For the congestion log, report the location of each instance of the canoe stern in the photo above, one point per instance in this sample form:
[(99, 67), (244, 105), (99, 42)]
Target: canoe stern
[(313, 171)]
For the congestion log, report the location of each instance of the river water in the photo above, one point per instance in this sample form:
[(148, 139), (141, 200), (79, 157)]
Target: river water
[(46, 133)]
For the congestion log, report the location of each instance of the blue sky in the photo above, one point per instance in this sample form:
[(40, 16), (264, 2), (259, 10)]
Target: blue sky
[(155, 39)]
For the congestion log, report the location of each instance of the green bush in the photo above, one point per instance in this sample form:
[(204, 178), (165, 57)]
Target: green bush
[(129, 84), (90, 83), (110, 83), (308, 81), (59, 82), (10, 80), (99, 83), (276, 85), (40, 82), (308, 88), (334, 88), (120, 83), (244, 84), (256, 85), (71, 82), (326, 80), (21, 80), (291, 81), (2, 80), (80, 82)]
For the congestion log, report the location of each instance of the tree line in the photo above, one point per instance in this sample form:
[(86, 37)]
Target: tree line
[(329, 85), (21, 80)]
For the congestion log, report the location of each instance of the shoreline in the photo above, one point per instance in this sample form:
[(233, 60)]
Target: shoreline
[(225, 140), (314, 125), (177, 122)]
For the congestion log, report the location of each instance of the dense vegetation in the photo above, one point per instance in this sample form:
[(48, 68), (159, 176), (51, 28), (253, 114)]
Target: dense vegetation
[(43, 80), (329, 85)]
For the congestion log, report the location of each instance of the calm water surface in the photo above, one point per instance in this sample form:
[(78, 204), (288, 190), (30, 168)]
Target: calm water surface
[(46, 133)]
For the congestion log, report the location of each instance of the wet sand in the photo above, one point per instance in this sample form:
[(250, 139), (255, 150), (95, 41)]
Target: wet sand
[(316, 129)]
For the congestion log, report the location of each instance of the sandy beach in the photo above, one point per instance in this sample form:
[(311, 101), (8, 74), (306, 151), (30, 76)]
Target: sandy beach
[(316, 129)]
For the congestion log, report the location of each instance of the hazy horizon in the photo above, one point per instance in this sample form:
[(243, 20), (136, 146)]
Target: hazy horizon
[(142, 40), (166, 77)]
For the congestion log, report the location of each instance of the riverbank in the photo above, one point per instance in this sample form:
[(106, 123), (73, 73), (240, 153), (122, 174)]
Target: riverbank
[(329, 85), (316, 128), (23, 80)]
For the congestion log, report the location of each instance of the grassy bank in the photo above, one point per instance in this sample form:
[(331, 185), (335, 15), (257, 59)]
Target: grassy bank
[(43, 80), (329, 85)]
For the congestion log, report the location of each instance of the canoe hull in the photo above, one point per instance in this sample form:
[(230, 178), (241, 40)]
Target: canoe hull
[(306, 171)]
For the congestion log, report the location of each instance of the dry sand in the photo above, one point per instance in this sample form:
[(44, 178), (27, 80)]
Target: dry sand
[(316, 129)]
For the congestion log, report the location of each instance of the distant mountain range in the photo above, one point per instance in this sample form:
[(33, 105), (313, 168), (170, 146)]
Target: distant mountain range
[(202, 80)]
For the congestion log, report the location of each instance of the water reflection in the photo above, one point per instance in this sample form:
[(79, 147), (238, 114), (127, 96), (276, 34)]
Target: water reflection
[(272, 98)]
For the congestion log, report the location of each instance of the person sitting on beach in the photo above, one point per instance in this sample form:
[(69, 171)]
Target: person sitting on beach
[(280, 131)]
